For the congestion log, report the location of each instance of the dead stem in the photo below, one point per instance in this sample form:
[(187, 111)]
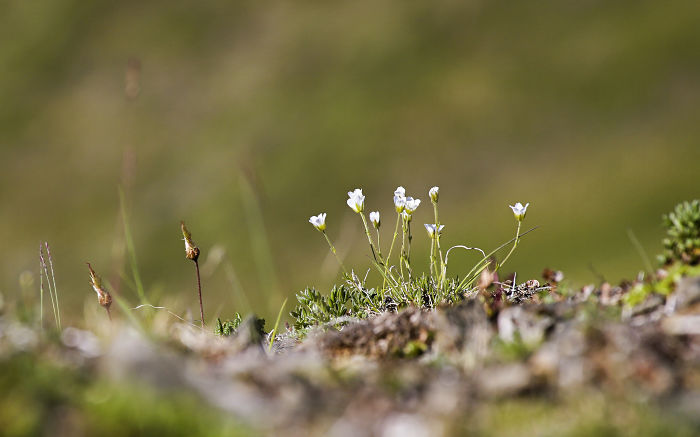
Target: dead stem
[(199, 289)]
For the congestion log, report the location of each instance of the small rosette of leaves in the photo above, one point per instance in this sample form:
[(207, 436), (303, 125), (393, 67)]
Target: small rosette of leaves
[(683, 234)]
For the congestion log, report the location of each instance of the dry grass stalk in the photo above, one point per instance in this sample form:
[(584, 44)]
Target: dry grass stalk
[(192, 253)]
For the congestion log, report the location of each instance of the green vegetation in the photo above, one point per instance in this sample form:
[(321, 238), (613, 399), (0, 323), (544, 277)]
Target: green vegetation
[(238, 117), (683, 230), (228, 327), (49, 397), (401, 286), (467, 338), (681, 254)]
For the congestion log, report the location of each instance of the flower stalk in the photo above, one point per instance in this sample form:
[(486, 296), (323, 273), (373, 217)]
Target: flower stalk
[(376, 222), (192, 253), (319, 222), (519, 212)]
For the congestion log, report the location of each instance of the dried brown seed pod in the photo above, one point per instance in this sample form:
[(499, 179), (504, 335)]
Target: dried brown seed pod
[(191, 249), (103, 296)]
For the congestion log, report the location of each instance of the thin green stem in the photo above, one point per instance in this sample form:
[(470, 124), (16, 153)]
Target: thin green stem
[(277, 323), (41, 296), (396, 233), (391, 248), (379, 251), (369, 237), (476, 270), (441, 274), (408, 249), (48, 285), (403, 245), (433, 267), (334, 252), (515, 244), (131, 249), (53, 279)]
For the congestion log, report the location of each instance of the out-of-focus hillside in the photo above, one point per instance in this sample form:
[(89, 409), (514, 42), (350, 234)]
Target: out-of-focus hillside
[(255, 115)]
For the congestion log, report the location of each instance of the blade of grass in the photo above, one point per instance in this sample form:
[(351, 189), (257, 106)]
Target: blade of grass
[(53, 280), (260, 244), (277, 322), (642, 253), (236, 286), (148, 305), (48, 285), (131, 250), (41, 295), (126, 309), (485, 258)]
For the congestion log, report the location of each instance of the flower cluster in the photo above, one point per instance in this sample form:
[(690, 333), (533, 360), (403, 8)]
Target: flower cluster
[(405, 207), (400, 285)]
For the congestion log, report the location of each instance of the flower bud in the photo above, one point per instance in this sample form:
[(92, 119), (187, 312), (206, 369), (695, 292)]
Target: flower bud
[(191, 249), (434, 193), (374, 218)]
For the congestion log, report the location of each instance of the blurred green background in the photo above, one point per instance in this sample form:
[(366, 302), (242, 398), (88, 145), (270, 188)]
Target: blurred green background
[(244, 118)]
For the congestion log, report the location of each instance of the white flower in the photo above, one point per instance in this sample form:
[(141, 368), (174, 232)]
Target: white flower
[(399, 203), (356, 200), (519, 210), (374, 218), (431, 228), (400, 199), (434, 194), (319, 221), (405, 216), (412, 204)]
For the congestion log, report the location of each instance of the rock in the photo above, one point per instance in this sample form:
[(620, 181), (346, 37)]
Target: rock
[(681, 324), (503, 380), (687, 293), (528, 325), (463, 331), (406, 333)]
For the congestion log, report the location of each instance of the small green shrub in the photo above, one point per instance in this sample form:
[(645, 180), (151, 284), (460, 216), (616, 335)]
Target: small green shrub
[(683, 230), (227, 327)]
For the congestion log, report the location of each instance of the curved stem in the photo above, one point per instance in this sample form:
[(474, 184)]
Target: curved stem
[(396, 233), (391, 248), (369, 237), (334, 252), (515, 244)]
